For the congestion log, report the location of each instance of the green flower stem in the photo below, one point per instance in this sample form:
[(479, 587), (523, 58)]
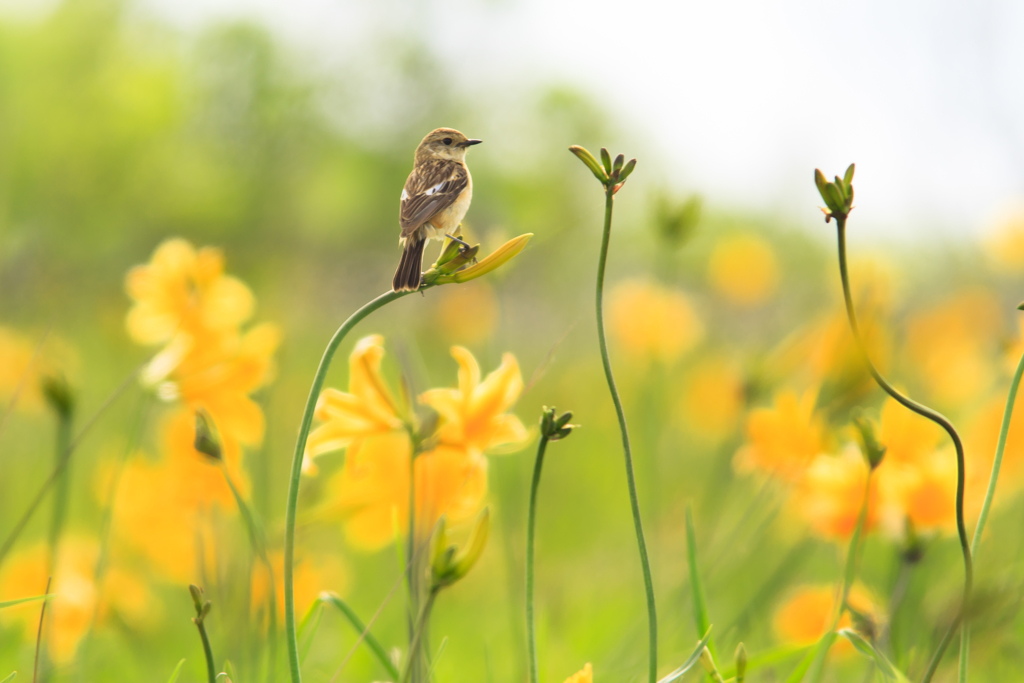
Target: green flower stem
[(211, 670), (60, 494), (935, 417), (417, 638), (296, 473), (531, 523), (1011, 398), (652, 616)]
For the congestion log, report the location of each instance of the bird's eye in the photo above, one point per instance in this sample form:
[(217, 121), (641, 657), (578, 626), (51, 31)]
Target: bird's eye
[(447, 141)]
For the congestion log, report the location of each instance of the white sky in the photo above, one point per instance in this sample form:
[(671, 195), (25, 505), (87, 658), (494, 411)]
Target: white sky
[(741, 99)]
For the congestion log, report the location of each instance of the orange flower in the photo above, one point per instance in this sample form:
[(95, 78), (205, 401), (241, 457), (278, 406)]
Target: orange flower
[(744, 270), (184, 291), (652, 322), (713, 398), (76, 595), (366, 410), (584, 675), (808, 612), (831, 492), (923, 492), (371, 492), (474, 415), (908, 438), (313, 575), (783, 439)]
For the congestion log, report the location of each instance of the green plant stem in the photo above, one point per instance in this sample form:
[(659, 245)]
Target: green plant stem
[(997, 463), (417, 638), (652, 616), (60, 494), (364, 633), (211, 670), (935, 417), (531, 524), (296, 473)]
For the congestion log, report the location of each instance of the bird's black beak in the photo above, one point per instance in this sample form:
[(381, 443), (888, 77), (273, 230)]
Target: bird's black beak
[(470, 143)]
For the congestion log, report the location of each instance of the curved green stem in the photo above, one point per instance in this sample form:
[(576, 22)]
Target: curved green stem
[(997, 463), (531, 523), (938, 419), (652, 617), (211, 670), (296, 473)]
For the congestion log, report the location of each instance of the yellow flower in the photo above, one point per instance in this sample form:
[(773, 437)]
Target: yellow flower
[(313, 575), (184, 291), (76, 596), (713, 397), (808, 612), (366, 410), (584, 675), (908, 438), (830, 494), (981, 436), (651, 322), (952, 343), (474, 414), (1006, 246), (468, 313), (785, 438), (923, 492), (24, 364), (371, 492), (744, 270)]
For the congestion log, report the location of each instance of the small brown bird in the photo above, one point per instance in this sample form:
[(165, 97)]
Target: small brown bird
[(434, 201)]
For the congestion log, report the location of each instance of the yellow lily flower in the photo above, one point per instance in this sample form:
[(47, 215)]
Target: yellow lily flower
[(785, 438), (474, 414), (366, 410), (584, 675)]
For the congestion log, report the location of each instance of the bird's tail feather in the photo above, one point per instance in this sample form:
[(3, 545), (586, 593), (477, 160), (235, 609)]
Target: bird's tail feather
[(407, 277)]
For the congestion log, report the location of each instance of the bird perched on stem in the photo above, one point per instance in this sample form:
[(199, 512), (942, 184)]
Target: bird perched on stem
[(434, 201)]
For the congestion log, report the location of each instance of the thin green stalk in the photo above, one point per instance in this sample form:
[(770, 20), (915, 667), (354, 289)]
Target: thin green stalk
[(364, 633), (1004, 429), (652, 617), (938, 419), (211, 670), (421, 627), (531, 523), (60, 494), (296, 473)]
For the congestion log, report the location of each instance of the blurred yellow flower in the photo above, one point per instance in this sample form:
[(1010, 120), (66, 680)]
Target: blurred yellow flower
[(923, 492), (313, 575), (24, 364), (830, 494), (76, 596), (808, 612), (468, 313), (1005, 247), (652, 322), (783, 439), (744, 270), (981, 435), (584, 675), (371, 492), (474, 415), (713, 397), (182, 291), (366, 410), (952, 345), (908, 438)]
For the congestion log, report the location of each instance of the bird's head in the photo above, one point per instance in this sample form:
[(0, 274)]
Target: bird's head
[(444, 143)]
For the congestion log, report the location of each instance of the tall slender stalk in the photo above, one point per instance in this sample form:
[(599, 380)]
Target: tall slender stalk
[(531, 523), (296, 473), (1004, 429), (652, 617), (60, 494), (929, 414)]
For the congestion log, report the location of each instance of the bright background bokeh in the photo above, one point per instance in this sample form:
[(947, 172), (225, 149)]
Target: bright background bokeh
[(282, 133)]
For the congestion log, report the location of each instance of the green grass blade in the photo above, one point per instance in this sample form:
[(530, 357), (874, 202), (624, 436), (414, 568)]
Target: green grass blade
[(10, 678), (816, 657), (690, 661), (700, 608), (437, 657), (12, 603), (363, 631), (174, 674), (864, 647)]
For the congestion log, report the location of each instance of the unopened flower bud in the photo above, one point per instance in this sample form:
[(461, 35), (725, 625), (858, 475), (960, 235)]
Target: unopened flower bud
[(450, 272), (606, 160), (588, 159), (627, 169), (59, 395), (741, 663), (617, 165), (838, 195), (447, 564), (206, 441), (554, 427), (873, 451)]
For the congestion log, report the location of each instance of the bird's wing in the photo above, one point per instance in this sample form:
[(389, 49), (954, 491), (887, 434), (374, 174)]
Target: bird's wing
[(431, 188)]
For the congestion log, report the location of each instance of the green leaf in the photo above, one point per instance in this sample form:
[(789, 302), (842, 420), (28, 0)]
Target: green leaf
[(176, 672), (864, 647), (700, 608), (12, 603), (690, 661)]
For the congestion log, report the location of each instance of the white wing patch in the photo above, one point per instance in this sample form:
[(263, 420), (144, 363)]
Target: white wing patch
[(405, 195), (435, 188)]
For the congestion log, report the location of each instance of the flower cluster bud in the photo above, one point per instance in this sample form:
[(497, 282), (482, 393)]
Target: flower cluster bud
[(553, 426), (59, 395), (873, 451), (838, 195), (447, 563), (206, 442), (611, 174), (202, 606)]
